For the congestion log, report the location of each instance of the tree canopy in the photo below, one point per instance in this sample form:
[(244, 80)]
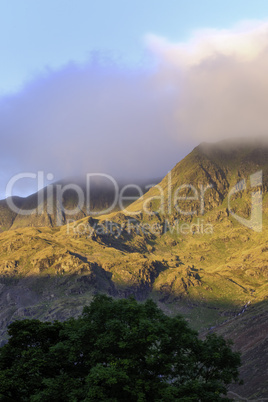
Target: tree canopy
[(117, 350)]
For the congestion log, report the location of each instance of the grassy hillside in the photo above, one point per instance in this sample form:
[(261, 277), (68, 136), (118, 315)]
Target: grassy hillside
[(249, 334), (53, 205), (213, 270)]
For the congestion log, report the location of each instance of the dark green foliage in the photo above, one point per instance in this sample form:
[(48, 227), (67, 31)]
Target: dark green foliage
[(118, 350)]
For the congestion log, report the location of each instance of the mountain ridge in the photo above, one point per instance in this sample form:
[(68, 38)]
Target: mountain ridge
[(209, 277), (57, 199)]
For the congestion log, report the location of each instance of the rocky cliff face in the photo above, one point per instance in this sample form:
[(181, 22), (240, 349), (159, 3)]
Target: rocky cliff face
[(59, 202), (207, 270), (207, 174)]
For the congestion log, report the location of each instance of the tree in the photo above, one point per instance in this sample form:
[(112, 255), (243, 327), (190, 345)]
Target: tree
[(117, 350)]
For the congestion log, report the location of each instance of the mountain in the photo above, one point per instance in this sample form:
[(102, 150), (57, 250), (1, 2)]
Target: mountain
[(197, 255), (7, 216), (220, 166), (51, 206), (249, 334)]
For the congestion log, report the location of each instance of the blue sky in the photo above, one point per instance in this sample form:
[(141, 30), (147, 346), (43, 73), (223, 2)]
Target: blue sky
[(40, 34), (126, 88)]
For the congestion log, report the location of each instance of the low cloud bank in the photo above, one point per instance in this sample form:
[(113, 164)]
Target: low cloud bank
[(104, 117)]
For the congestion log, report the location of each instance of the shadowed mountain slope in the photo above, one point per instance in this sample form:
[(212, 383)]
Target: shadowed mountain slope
[(54, 205), (204, 264)]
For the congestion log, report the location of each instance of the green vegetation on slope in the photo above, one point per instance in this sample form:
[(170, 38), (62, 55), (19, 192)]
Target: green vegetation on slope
[(116, 351), (210, 277)]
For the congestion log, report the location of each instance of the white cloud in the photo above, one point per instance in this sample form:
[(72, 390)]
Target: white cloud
[(221, 80), (89, 118), (245, 41), (139, 122)]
